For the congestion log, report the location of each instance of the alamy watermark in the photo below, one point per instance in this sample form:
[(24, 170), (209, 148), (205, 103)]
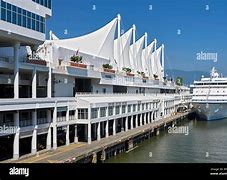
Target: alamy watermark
[(8, 129), (19, 171), (178, 130), (203, 56)]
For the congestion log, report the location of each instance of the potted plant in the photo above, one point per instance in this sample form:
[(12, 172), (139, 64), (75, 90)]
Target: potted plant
[(76, 61), (36, 61), (155, 76), (128, 71), (108, 68)]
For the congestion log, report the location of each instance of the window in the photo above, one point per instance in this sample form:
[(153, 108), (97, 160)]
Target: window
[(138, 107), (110, 110), (21, 17), (129, 108), (45, 3), (82, 113), (117, 109), (142, 106), (102, 112), (94, 113), (123, 108), (134, 107)]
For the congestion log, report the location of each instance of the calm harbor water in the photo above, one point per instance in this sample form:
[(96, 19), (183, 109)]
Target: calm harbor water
[(206, 143)]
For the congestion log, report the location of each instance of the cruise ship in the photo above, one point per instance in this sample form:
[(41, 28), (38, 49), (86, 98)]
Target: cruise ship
[(60, 91), (210, 96)]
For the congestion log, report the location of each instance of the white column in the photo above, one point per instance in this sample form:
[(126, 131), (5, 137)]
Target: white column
[(89, 133), (137, 120), (55, 128), (16, 70), (34, 83), (131, 122), (114, 127), (48, 146), (141, 119), (49, 83), (16, 141), (67, 127), (107, 128), (149, 116), (98, 132), (76, 138), (126, 123), (145, 119), (34, 135)]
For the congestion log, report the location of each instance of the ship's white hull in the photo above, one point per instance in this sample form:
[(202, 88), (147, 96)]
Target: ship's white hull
[(211, 111)]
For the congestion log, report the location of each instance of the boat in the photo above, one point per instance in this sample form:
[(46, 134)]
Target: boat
[(210, 96)]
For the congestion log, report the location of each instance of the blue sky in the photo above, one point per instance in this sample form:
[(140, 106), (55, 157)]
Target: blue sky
[(202, 25)]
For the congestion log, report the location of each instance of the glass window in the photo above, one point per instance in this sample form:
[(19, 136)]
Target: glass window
[(102, 112), (129, 108), (94, 113), (117, 109), (82, 113), (110, 110), (3, 14), (123, 108), (9, 17)]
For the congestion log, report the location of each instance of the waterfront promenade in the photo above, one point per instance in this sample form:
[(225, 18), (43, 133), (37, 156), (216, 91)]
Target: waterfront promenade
[(75, 152)]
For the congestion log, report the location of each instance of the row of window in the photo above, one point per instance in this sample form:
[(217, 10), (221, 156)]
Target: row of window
[(46, 3), (131, 108), (22, 17)]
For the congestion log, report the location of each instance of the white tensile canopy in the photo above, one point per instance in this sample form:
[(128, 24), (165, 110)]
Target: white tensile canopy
[(156, 67), (99, 43), (146, 58), (121, 50), (136, 55)]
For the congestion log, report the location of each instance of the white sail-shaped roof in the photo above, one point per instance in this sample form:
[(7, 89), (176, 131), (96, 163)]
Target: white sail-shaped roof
[(121, 50), (137, 55), (146, 53), (99, 43), (156, 63)]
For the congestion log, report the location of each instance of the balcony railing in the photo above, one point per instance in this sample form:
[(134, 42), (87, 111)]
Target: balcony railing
[(71, 118), (61, 119), (42, 121), (25, 123)]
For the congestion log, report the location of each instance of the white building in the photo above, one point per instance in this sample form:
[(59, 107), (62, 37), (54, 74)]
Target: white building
[(53, 101)]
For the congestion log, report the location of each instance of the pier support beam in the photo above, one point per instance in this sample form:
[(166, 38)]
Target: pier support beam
[(67, 135), (16, 141), (34, 135), (137, 120), (103, 155), (130, 144), (107, 128), (157, 132)]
